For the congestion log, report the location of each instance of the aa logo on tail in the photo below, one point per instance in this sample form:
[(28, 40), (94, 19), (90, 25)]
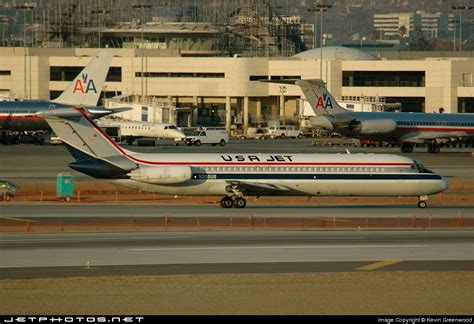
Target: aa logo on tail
[(84, 83), (324, 101)]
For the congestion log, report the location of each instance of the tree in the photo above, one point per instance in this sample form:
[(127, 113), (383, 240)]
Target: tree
[(402, 31)]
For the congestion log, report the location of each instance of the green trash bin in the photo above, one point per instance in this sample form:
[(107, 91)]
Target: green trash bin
[(64, 186)]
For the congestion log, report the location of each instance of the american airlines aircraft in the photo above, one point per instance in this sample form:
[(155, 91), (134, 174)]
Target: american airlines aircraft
[(84, 90), (133, 130), (235, 176), (408, 128)]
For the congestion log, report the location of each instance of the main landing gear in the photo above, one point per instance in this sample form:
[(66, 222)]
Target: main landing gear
[(235, 198), (407, 147), (233, 201), (433, 147)]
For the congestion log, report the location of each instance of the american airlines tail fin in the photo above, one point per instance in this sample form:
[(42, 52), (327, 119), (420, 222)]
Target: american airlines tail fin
[(318, 96), (316, 93), (85, 89), (92, 149)]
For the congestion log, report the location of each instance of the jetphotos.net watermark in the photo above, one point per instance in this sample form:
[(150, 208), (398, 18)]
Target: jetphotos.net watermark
[(71, 319)]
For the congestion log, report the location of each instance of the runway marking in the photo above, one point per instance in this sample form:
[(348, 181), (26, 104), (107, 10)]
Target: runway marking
[(278, 247), (19, 219), (73, 240), (378, 265)]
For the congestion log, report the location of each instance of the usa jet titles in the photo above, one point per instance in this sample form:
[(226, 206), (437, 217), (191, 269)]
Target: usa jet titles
[(255, 158)]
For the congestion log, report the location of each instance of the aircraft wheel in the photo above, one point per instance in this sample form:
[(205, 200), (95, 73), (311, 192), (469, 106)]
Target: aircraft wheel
[(435, 149), (189, 144), (222, 142), (240, 202), (422, 204), (8, 197), (68, 199), (226, 202), (197, 143), (282, 136)]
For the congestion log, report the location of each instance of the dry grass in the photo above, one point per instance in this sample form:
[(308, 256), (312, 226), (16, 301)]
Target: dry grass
[(307, 293)]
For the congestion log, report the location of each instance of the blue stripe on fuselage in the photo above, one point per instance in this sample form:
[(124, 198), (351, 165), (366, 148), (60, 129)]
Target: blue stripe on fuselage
[(315, 176)]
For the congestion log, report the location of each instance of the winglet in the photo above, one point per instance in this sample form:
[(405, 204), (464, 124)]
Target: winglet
[(85, 89)]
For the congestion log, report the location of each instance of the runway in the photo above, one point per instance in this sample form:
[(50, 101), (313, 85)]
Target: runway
[(102, 254), (311, 209)]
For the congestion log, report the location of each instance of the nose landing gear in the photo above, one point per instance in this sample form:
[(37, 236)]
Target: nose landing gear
[(422, 201)]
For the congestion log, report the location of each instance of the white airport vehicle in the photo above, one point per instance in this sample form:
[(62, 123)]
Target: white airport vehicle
[(284, 131), (208, 135), (255, 133), (237, 175)]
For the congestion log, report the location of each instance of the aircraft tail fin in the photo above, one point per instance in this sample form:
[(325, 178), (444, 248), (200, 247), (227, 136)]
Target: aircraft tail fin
[(96, 154), (85, 89), (318, 96)]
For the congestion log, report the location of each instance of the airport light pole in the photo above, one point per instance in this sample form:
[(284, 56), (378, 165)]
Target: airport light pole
[(4, 22), (283, 90), (24, 7), (100, 12), (142, 7), (319, 7), (460, 9)]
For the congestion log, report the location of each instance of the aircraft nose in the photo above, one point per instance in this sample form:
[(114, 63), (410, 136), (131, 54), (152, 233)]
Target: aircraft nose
[(444, 184), (179, 135)]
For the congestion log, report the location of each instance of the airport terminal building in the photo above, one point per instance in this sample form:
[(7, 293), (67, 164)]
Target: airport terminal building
[(226, 90)]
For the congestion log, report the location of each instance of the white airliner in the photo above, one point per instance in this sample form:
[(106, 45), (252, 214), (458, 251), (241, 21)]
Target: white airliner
[(407, 128), (133, 130), (235, 176)]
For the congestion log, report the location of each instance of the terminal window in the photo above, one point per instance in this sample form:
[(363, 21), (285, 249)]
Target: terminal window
[(69, 73), (383, 78)]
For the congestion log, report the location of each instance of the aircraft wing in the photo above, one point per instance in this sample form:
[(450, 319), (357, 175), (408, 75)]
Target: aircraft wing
[(441, 137), (258, 187)]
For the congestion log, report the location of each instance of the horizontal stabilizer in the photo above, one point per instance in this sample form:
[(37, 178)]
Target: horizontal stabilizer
[(281, 81), (119, 110), (66, 113)]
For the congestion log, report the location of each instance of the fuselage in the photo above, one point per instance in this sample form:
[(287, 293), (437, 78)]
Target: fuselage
[(20, 116), (413, 127), (293, 174), (144, 129)]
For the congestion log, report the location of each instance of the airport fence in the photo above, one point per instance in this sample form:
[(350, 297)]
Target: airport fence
[(227, 223)]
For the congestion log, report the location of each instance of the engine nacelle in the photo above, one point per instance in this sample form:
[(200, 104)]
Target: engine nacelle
[(162, 175), (377, 126)]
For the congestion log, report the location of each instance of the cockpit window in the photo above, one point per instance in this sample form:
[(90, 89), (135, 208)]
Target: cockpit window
[(421, 168), (172, 127)]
